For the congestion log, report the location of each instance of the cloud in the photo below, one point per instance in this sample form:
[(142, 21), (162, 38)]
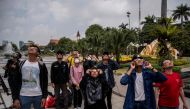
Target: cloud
[(39, 20), (59, 11), (40, 32)]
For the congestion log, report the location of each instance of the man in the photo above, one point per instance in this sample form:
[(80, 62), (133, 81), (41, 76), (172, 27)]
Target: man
[(171, 89), (139, 78), (89, 62), (107, 66), (12, 69), (59, 79), (31, 82)]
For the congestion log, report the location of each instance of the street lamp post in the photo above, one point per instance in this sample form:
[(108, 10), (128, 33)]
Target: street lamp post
[(139, 14), (128, 15)]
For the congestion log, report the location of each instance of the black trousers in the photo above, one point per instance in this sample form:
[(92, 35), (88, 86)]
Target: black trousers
[(64, 94), (77, 97), (11, 85), (140, 105), (109, 96), (98, 105)]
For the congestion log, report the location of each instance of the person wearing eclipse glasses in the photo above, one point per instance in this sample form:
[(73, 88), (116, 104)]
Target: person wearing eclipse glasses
[(172, 89), (140, 78)]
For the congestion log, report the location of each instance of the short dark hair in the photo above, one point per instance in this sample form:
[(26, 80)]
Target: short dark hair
[(19, 55), (38, 49), (106, 53), (59, 52), (136, 57)]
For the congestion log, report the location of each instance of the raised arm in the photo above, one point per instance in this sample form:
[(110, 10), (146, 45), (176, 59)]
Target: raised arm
[(126, 78), (156, 75)]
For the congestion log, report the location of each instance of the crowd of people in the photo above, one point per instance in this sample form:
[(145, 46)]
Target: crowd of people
[(91, 80)]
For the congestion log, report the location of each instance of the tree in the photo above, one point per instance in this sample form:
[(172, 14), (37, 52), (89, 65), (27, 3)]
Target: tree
[(65, 44), (149, 20), (94, 35), (147, 33), (165, 31), (182, 12), (181, 41), (164, 9), (117, 40), (82, 46)]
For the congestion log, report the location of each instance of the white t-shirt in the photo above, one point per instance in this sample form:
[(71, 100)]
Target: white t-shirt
[(139, 88), (30, 79)]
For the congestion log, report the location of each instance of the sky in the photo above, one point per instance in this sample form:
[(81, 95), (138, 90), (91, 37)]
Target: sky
[(41, 20)]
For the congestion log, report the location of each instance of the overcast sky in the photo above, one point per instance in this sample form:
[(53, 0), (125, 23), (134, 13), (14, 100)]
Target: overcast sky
[(40, 20)]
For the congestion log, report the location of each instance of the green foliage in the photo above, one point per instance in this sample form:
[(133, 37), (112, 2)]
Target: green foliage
[(109, 39), (147, 34), (164, 31), (94, 35), (149, 20), (180, 62), (181, 41), (182, 12), (177, 69), (65, 44), (126, 65), (116, 40), (82, 46), (159, 68)]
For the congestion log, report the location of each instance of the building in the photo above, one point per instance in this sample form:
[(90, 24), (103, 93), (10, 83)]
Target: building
[(53, 41), (21, 44), (78, 36)]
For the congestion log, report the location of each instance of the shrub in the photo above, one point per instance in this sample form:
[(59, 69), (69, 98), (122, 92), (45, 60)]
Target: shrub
[(180, 62), (124, 65), (175, 69)]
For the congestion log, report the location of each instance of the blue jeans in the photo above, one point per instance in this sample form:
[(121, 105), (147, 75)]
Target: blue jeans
[(27, 101)]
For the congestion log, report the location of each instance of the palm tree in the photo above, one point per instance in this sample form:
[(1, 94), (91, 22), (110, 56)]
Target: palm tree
[(182, 12), (164, 9), (116, 40), (95, 42), (164, 31), (149, 20)]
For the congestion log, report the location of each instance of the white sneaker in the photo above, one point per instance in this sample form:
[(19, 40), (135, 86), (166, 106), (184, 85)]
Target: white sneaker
[(78, 107), (75, 108)]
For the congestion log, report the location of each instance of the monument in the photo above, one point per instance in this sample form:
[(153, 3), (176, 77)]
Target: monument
[(152, 48)]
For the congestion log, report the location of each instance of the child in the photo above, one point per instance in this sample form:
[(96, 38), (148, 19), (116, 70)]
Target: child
[(94, 89)]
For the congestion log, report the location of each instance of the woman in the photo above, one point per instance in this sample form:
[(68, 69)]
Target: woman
[(94, 89), (77, 72)]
